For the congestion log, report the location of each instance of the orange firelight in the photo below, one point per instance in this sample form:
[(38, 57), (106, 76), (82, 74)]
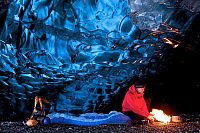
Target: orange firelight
[(159, 115), (172, 42)]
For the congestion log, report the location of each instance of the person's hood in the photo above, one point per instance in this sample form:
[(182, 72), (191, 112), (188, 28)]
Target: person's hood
[(133, 91)]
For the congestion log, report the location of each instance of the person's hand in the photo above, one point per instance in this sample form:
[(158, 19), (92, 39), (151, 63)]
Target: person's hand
[(151, 118)]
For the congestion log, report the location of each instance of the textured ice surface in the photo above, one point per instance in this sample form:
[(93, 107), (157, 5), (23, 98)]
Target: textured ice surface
[(82, 53)]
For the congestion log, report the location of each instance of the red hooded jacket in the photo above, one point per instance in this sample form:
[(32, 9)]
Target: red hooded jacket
[(135, 102)]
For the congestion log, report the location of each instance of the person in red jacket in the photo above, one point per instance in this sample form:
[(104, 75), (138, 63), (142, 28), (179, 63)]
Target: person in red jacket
[(134, 104)]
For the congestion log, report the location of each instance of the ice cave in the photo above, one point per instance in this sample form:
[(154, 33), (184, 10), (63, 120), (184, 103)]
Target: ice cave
[(82, 55)]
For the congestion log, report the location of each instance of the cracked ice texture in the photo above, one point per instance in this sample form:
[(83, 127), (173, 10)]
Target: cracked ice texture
[(80, 52)]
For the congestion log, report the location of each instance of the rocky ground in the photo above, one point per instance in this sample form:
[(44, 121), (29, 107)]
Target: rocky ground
[(191, 124)]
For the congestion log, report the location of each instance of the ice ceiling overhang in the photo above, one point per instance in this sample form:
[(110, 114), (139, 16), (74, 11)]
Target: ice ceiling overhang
[(82, 52)]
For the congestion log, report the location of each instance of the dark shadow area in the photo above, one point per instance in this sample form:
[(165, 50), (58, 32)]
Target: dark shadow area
[(176, 89)]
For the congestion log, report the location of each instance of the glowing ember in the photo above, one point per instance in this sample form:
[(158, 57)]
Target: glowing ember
[(159, 115)]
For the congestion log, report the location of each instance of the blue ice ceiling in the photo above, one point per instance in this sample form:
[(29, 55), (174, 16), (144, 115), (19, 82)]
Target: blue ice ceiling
[(81, 53)]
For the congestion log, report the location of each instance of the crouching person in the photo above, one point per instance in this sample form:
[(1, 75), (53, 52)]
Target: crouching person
[(134, 104)]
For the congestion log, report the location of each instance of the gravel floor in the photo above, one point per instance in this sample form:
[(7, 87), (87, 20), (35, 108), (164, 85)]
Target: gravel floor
[(190, 125)]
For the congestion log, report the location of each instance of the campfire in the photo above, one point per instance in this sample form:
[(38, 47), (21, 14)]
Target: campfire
[(160, 116)]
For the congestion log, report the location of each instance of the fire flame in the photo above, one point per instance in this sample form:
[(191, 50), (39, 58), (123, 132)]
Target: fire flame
[(159, 115)]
